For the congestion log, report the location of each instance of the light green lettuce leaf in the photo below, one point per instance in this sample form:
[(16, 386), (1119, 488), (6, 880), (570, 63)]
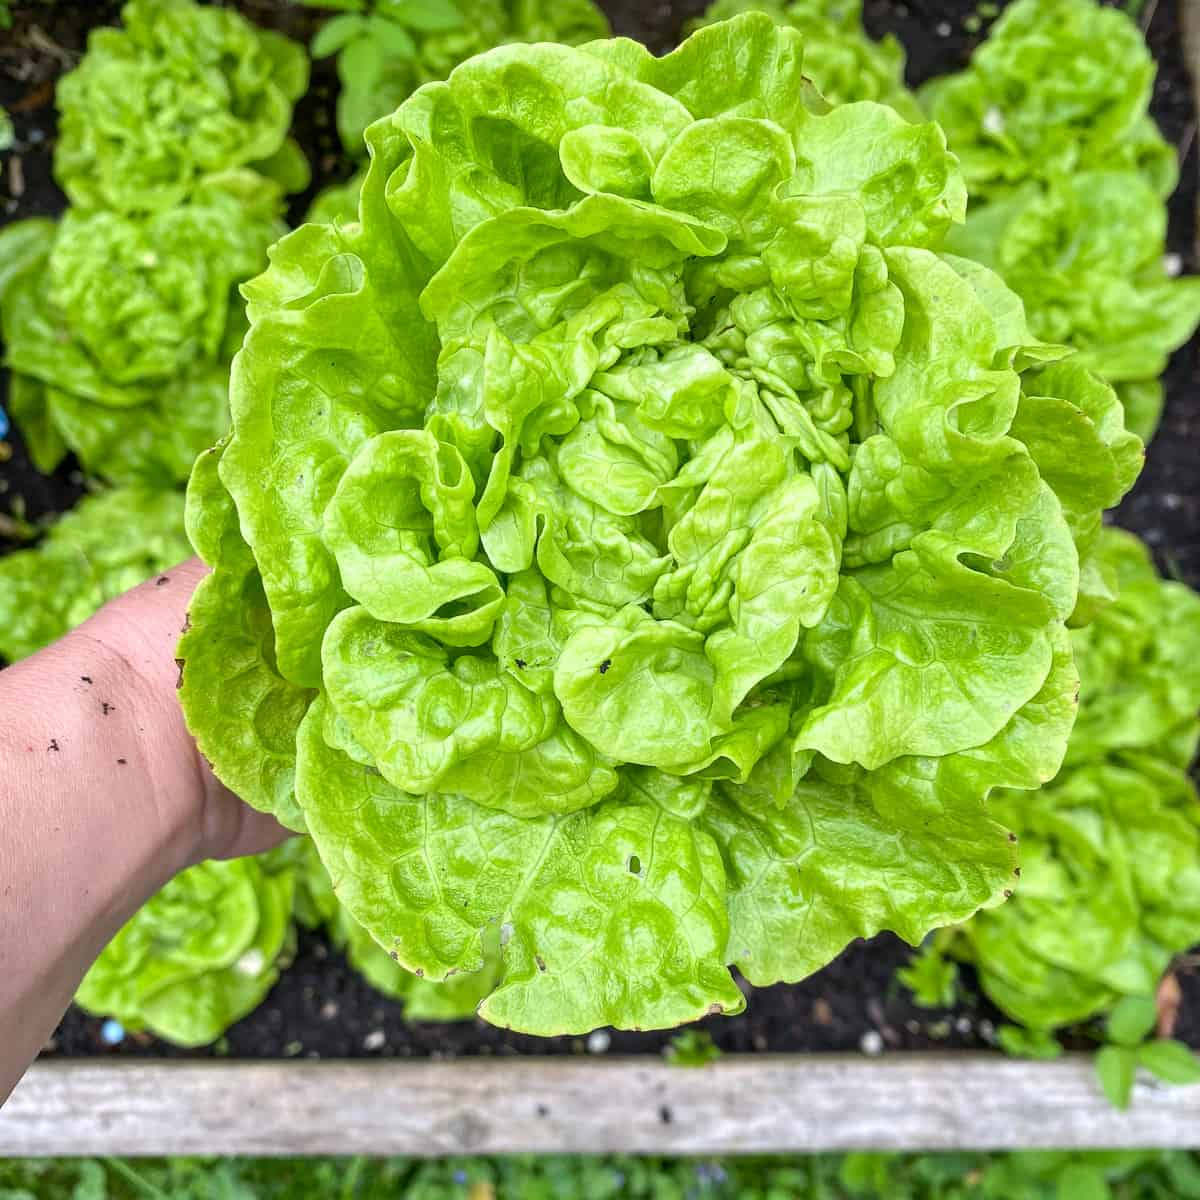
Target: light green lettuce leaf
[(317, 905), (462, 726), (1139, 661), (320, 319), (841, 60), (385, 51), (242, 713), (602, 913), (1086, 254), (920, 822)]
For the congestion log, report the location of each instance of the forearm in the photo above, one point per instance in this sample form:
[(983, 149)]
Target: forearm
[(98, 807)]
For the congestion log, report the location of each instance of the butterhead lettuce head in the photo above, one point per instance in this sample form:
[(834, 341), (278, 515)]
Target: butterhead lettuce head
[(623, 548), (182, 92)]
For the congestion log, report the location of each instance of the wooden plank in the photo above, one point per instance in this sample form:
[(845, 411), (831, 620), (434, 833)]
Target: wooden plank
[(488, 1106)]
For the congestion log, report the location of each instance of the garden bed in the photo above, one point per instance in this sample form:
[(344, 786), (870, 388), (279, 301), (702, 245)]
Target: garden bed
[(322, 1009)]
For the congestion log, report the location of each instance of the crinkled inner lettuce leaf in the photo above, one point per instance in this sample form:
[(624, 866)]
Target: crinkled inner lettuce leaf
[(200, 954), (639, 530), (182, 92), (109, 543), (1123, 811), (121, 329)]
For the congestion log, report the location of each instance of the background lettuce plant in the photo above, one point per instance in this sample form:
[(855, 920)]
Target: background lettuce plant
[(636, 542), (1058, 87), (1110, 850), (841, 60), (1068, 178), (1087, 253), (200, 955), (183, 91), (109, 543), (387, 48), (119, 330)]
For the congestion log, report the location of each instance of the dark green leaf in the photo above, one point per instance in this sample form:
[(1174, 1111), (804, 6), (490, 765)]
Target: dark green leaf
[(427, 16), (1170, 1061), (393, 39), (335, 34), (692, 1048), (1115, 1067), (1131, 1020)]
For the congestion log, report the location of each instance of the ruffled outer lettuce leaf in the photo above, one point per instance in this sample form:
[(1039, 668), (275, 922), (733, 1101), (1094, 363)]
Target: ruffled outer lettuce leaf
[(641, 495), (338, 202), (200, 954), (1123, 811), (121, 329), (842, 61), (317, 906), (183, 91), (243, 714), (384, 56), (109, 543)]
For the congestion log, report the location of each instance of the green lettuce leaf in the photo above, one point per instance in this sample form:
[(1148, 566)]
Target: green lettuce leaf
[(338, 202), (242, 713), (844, 63), (318, 906), (644, 498), (1087, 256)]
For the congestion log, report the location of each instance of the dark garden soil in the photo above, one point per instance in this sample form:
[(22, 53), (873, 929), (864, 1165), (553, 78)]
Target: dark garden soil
[(322, 1009)]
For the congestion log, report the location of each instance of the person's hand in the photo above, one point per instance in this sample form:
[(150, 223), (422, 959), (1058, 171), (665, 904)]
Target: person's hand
[(137, 633), (103, 799)]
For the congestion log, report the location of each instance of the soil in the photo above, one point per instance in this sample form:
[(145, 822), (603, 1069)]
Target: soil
[(320, 1008)]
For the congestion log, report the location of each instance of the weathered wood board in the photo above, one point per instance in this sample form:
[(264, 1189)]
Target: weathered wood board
[(740, 1105)]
